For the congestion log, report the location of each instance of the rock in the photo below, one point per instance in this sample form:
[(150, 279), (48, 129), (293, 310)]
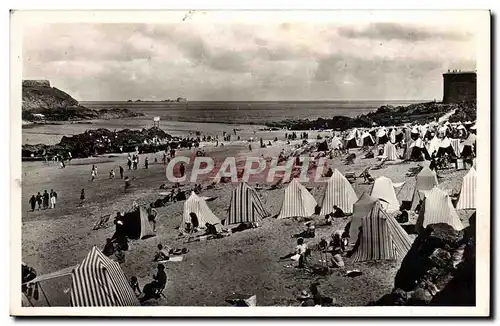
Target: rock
[(439, 269)]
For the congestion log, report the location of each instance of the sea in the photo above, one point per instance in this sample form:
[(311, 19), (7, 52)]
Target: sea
[(246, 112)]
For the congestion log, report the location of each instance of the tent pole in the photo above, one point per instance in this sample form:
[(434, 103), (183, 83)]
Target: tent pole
[(44, 295), (31, 303)]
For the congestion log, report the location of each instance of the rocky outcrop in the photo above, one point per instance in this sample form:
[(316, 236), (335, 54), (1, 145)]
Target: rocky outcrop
[(386, 115), (439, 269), (41, 102)]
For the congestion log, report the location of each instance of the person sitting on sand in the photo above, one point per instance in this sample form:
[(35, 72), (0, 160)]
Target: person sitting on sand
[(151, 290), (210, 229), (109, 248), (194, 222), (301, 250), (328, 219), (134, 284), (112, 174), (162, 254), (336, 249), (338, 212), (311, 230), (120, 255)]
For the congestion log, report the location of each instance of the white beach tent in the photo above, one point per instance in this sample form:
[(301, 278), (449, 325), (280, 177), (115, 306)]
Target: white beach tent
[(467, 199), (434, 145), (383, 188), (298, 201), (336, 143), (390, 152), (338, 192), (381, 237), (426, 179), (437, 208), (198, 206)]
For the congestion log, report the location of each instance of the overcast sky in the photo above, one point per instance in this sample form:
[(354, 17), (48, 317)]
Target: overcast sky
[(281, 61)]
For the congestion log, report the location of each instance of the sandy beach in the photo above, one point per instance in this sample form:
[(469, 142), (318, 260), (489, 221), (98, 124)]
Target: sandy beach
[(245, 262)]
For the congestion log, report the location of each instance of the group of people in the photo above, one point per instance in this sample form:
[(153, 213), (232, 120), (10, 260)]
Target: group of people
[(44, 201)]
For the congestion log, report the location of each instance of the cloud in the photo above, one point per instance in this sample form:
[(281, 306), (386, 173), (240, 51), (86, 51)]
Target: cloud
[(233, 61), (393, 31)]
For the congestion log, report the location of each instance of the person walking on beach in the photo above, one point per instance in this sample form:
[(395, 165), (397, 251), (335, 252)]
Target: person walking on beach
[(39, 200), (146, 163), (45, 199), (121, 172), (53, 198), (129, 162), (33, 202), (92, 175)]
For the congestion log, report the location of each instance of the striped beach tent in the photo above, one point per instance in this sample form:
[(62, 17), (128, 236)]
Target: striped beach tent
[(390, 152), (338, 192), (383, 188), (381, 237), (245, 206), (437, 208), (100, 282), (426, 179), (467, 199), (298, 201), (360, 210), (198, 205)]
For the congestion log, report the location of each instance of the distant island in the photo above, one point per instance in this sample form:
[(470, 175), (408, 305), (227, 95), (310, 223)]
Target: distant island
[(178, 100), (43, 103)]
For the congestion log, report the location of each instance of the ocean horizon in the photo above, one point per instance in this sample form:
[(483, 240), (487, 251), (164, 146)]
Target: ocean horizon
[(247, 112)]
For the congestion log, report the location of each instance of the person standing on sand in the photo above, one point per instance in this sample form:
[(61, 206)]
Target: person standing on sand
[(33, 202), (121, 172), (53, 198), (82, 196), (146, 163), (45, 199), (129, 162), (92, 175), (39, 200)]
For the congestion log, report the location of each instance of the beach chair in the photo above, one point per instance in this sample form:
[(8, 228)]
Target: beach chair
[(103, 222)]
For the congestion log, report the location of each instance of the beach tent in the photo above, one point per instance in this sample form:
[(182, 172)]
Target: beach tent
[(360, 209), (198, 206), (336, 143), (351, 139), (367, 139), (390, 152), (100, 282), (383, 188), (298, 201), (136, 224), (323, 146), (338, 192), (445, 147), (425, 181), (467, 147), (434, 145), (245, 206), (416, 151), (437, 208), (381, 237), (382, 136), (392, 136), (467, 199), (455, 144)]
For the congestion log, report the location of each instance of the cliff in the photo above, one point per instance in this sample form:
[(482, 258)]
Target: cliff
[(439, 269), (46, 103), (386, 115)]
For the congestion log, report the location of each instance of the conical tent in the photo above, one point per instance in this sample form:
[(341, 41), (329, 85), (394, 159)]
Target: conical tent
[(367, 139), (445, 147), (100, 282), (417, 151), (298, 201), (245, 206), (336, 143), (467, 199), (361, 208), (437, 208), (338, 192), (425, 181), (381, 237), (390, 152), (434, 145), (136, 224), (199, 206), (383, 188)]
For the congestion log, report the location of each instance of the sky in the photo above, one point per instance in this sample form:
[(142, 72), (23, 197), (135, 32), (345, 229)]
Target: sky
[(245, 61)]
